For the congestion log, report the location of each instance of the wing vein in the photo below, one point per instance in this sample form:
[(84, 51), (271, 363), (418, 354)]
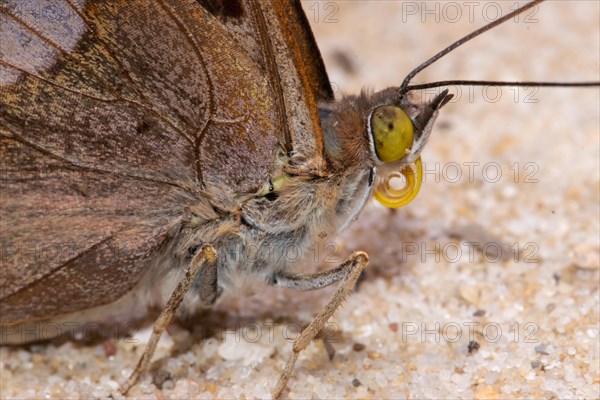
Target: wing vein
[(102, 100), (76, 165), (273, 73), (210, 109), (61, 266)]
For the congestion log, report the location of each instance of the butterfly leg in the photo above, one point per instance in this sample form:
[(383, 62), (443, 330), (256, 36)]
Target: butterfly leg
[(201, 261), (348, 272)]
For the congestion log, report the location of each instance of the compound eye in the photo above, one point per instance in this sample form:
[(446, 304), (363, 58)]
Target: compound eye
[(393, 133)]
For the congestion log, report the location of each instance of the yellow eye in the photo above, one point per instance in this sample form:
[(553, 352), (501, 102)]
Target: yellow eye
[(393, 133), (391, 197)]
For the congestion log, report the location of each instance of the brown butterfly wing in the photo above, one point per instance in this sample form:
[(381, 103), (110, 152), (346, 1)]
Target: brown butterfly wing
[(244, 20), (115, 116), (277, 36)]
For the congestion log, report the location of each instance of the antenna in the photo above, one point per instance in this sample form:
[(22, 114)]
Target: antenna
[(500, 83), (405, 88)]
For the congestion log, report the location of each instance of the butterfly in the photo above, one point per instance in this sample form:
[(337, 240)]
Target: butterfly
[(141, 157)]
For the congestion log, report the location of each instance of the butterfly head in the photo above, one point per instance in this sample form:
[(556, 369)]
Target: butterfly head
[(387, 134), (397, 134)]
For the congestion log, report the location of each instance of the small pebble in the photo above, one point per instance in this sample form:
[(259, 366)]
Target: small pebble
[(541, 349), (556, 278), (358, 347), (473, 346), (246, 353), (586, 256), (470, 293), (479, 313), (486, 392), (110, 349), (161, 377)]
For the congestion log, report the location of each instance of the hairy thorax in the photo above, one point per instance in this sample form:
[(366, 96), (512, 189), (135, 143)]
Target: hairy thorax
[(265, 235)]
